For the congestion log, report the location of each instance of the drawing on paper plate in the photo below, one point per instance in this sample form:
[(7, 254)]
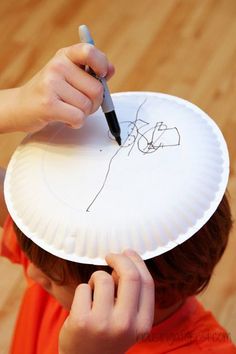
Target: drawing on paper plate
[(143, 136)]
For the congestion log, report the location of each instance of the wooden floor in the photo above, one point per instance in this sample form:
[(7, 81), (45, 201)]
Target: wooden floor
[(181, 47)]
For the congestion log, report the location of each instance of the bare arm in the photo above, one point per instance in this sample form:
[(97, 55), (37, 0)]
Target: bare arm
[(9, 109), (3, 208)]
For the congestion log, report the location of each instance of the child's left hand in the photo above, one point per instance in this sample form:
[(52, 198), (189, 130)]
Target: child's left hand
[(106, 323)]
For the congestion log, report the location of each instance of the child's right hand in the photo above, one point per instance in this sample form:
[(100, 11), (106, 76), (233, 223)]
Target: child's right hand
[(110, 323), (61, 91)]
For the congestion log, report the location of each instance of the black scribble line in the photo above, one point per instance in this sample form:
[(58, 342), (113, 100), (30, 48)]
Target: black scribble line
[(105, 179), (151, 146), (134, 125), (144, 144), (111, 160)]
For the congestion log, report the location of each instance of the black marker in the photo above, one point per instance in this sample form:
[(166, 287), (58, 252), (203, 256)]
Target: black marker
[(107, 104)]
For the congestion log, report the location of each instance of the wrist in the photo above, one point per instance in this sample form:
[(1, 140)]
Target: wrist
[(9, 109)]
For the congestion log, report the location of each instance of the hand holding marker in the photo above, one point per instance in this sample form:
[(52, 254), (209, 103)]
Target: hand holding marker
[(107, 104)]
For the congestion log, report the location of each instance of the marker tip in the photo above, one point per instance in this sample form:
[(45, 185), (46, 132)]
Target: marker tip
[(118, 140)]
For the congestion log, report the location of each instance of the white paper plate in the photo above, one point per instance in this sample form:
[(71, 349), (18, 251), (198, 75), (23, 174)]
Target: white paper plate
[(78, 195)]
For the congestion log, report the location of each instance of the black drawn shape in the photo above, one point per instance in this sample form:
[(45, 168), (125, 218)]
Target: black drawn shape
[(143, 136)]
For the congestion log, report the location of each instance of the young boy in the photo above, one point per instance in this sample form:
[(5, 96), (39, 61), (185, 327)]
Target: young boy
[(113, 307)]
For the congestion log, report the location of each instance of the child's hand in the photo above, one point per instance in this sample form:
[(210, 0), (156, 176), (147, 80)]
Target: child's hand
[(61, 91), (109, 324)]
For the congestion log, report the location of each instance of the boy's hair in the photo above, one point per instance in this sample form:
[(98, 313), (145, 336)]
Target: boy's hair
[(181, 272)]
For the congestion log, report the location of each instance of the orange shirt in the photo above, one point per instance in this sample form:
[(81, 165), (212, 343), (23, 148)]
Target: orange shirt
[(40, 317), (189, 330)]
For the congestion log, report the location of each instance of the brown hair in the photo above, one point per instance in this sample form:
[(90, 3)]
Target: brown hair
[(181, 272)]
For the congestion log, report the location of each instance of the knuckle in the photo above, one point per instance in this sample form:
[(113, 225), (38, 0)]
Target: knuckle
[(86, 105), (82, 325), (57, 64), (79, 323), (79, 119), (148, 282), (76, 120), (48, 103), (88, 50), (102, 327), (97, 90), (92, 56), (132, 275), (124, 325), (48, 82), (48, 99), (101, 276)]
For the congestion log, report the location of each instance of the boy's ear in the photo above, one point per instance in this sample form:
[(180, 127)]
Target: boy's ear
[(3, 208)]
